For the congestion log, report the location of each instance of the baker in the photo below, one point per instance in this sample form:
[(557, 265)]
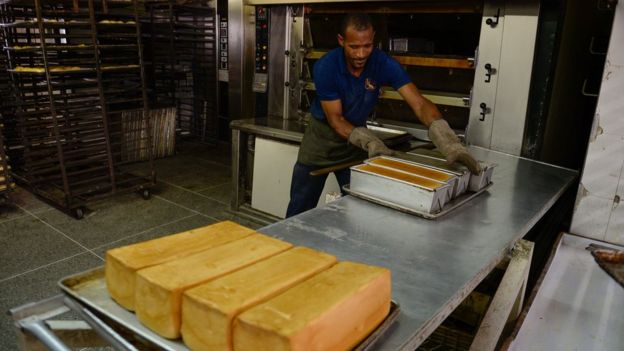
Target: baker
[(347, 81)]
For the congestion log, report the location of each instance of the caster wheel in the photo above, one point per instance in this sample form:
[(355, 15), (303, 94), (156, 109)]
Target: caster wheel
[(146, 194), (79, 213)]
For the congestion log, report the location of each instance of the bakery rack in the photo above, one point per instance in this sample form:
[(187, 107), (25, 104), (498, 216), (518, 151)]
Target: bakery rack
[(180, 47), (6, 183), (75, 68), (6, 108)]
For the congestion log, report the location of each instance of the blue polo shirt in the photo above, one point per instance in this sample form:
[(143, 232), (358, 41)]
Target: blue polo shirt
[(358, 95)]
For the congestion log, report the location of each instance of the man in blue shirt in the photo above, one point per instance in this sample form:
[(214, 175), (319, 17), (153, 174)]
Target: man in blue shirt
[(347, 81)]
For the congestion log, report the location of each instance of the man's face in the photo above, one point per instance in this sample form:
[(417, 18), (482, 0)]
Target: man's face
[(358, 45)]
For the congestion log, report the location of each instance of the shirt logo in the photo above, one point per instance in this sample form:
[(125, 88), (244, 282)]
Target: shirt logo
[(370, 84)]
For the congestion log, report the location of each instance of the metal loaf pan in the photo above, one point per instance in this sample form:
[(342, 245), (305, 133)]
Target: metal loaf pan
[(483, 179), (397, 191), (458, 180), (417, 170)]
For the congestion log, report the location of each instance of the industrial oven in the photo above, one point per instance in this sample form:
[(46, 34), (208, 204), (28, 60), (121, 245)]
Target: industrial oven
[(473, 59)]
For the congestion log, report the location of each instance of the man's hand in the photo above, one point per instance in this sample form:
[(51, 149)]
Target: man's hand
[(365, 139), (448, 143)]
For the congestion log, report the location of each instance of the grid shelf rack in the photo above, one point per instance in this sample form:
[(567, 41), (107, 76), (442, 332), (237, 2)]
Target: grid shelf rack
[(75, 67), (6, 183), (181, 63)]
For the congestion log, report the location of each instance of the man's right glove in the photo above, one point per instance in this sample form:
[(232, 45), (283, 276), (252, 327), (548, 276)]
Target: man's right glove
[(364, 138), (448, 143)]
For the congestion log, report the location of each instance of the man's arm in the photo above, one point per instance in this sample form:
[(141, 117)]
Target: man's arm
[(333, 113), (425, 110), (440, 132), (361, 137)]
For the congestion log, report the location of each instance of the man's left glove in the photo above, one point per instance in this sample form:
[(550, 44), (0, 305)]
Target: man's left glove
[(448, 143), (364, 138)]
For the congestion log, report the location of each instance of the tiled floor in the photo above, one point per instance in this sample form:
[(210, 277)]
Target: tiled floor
[(40, 245)]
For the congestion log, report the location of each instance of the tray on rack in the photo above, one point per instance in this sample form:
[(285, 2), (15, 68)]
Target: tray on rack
[(89, 287), (447, 208)]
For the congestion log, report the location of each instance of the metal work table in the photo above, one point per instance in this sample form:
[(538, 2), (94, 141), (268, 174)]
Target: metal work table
[(289, 131), (435, 264), (277, 128), (578, 306)]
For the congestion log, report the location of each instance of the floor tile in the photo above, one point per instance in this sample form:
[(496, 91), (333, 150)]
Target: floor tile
[(27, 243), (190, 200), (192, 173), (35, 286), (9, 211), (221, 193), (28, 201), (19, 203), (116, 218), (219, 154), (192, 222), (203, 205)]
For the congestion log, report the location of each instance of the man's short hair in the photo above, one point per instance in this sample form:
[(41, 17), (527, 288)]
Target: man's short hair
[(359, 21)]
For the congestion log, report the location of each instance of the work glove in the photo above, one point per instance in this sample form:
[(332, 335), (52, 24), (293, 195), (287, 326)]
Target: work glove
[(448, 143), (365, 139)]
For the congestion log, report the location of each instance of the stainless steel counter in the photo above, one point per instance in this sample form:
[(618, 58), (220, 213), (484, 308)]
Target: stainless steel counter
[(578, 306), (435, 264), (281, 129), (274, 128)]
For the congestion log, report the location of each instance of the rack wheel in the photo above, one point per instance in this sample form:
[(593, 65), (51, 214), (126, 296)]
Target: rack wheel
[(78, 212), (146, 194)]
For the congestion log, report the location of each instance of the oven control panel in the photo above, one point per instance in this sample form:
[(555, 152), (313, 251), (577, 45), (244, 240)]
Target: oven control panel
[(262, 50)]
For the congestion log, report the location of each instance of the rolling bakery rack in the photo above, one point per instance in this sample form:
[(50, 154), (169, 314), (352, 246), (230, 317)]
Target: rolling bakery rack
[(6, 183), (80, 120), (180, 47)]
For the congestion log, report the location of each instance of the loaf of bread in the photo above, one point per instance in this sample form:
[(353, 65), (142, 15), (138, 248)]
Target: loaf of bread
[(334, 310), (413, 169), (158, 289), (123, 262), (208, 310), (402, 176)]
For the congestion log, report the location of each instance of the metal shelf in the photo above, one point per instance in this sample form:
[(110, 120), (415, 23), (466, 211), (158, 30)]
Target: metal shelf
[(415, 60), (68, 133)]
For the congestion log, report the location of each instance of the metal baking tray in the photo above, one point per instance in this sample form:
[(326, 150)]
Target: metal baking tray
[(420, 198), (470, 181), (458, 183), (89, 287), (482, 179), (447, 208)]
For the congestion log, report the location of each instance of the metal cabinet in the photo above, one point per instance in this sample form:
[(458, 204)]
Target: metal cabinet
[(599, 213), (504, 63)]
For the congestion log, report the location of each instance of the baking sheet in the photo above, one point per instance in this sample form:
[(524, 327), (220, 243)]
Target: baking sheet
[(447, 208), (89, 287)]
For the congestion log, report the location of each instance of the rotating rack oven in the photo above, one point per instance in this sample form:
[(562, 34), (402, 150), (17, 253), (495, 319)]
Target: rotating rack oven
[(180, 41), (80, 116)]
